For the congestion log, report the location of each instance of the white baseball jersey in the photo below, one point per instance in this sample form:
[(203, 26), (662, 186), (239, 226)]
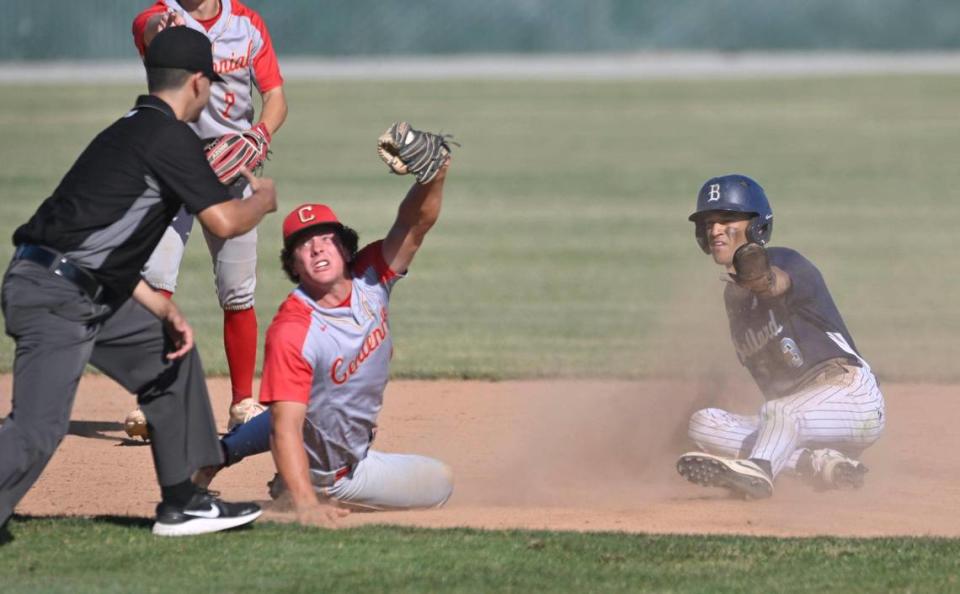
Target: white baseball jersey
[(242, 55), (335, 360)]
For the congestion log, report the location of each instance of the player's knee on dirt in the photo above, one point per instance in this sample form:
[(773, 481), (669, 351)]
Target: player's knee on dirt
[(434, 484), (443, 484)]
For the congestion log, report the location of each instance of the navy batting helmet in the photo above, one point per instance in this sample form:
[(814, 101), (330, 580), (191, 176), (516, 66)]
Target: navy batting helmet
[(734, 193)]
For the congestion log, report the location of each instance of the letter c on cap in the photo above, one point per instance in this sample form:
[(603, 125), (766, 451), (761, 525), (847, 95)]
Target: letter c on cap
[(305, 214)]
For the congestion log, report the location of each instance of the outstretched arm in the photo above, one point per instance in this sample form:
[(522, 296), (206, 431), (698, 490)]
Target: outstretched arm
[(418, 212), (286, 443)]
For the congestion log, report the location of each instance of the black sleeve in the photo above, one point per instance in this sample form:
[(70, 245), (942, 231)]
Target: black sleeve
[(178, 161)]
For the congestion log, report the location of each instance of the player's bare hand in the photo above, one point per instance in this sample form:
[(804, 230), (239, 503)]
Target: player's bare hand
[(170, 19), (179, 332), (321, 515)]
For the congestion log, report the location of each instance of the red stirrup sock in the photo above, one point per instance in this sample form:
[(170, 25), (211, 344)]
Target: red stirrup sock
[(240, 344)]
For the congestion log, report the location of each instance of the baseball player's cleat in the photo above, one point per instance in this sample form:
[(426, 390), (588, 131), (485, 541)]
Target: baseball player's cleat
[(845, 474), (833, 470), (204, 513), (243, 411), (740, 476), (135, 425)]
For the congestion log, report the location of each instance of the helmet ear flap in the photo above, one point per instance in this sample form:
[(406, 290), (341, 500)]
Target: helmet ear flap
[(759, 230), (700, 232)]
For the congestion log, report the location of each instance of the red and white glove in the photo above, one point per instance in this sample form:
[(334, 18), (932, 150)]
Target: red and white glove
[(233, 151)]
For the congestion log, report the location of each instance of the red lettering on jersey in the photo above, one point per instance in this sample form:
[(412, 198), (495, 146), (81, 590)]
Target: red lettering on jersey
[(371, 343), (234, 62), (229, 99)]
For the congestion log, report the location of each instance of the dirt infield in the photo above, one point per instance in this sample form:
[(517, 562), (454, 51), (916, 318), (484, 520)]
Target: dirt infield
[(557, 455)]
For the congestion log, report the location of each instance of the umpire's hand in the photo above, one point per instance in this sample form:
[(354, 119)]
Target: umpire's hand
[(179, 331), (175, 325)]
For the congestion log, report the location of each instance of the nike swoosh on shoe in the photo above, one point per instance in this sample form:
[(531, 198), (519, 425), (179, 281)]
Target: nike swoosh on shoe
[(213, 512)]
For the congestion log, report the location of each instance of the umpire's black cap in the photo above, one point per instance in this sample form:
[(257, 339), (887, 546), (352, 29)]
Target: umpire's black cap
[(184, 48)]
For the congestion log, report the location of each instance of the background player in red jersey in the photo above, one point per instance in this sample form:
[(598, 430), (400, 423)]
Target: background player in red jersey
[(244, 57)]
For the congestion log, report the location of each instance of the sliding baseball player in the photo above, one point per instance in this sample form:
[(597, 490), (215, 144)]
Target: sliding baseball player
[(823, 405)]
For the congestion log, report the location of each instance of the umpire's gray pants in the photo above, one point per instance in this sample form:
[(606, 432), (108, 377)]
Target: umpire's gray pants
[(58, 330)]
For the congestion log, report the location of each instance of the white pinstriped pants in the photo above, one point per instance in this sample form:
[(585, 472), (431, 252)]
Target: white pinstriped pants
[(842, 409)]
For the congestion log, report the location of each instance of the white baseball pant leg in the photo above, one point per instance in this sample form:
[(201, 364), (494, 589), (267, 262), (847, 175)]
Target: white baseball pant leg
[(845, 413), (234, 269), (163, 266), (235, 262), (383, 481)]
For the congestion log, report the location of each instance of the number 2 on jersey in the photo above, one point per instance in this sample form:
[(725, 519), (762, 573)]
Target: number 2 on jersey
[(229, 99)]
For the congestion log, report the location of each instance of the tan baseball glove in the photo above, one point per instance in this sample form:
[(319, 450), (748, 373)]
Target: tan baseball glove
[(754, 272), (406, 150)]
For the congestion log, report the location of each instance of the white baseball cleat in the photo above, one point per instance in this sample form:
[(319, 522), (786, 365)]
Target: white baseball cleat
[(740, 476), (243, 411), (135, 425), (833, 470)]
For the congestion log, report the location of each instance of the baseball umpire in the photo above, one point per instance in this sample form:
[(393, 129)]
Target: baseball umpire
[(823, 406), (328, 353), (73, 292)]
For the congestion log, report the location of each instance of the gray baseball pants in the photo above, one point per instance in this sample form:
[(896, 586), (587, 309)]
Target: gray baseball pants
[(58, 330)]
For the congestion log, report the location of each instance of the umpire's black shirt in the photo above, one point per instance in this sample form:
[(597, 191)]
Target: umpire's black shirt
[(111, 209)]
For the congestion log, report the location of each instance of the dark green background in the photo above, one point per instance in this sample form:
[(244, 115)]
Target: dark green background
[(52, 29)]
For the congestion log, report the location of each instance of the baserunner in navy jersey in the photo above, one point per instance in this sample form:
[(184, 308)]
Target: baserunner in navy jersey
[(823, 406), (326, 365)]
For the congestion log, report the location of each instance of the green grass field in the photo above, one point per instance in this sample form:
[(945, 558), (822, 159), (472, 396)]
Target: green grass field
[(112, 555), (564, 248)]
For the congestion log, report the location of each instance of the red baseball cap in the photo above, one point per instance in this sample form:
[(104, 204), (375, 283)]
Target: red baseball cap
[(306, 216)]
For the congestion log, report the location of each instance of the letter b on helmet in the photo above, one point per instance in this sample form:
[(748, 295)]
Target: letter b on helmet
[(734, 193)]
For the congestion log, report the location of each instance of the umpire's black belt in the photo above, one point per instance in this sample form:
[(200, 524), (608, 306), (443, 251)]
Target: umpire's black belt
[(58, 264)]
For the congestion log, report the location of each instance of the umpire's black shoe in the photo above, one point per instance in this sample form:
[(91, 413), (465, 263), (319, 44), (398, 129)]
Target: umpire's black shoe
[(204, 513)]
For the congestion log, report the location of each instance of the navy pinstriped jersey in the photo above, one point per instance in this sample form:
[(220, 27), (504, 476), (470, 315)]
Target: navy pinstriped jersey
[(781, 339)]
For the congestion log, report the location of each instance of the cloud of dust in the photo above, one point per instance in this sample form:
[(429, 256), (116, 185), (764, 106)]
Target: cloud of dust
[(615, 443), (580, 442)]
